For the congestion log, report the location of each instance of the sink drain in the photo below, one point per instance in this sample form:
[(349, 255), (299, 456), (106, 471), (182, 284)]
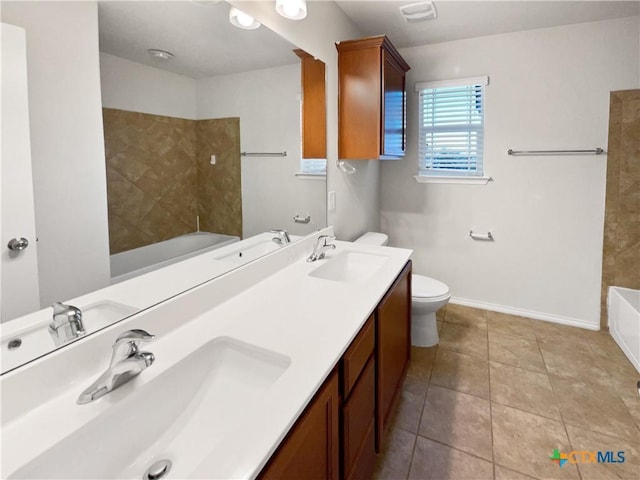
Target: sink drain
[(15, 343), (157, 470)]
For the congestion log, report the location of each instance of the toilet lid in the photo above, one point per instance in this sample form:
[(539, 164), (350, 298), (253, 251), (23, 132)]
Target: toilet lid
[(425, 287)]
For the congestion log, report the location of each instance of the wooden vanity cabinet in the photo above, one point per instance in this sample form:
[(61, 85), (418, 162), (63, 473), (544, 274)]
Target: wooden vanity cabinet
[(358, 406), (371, 100), (311, 448), (393, 349), (314, 112), (342, 428)]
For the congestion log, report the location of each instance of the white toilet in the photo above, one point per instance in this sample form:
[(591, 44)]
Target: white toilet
[(427, 297)]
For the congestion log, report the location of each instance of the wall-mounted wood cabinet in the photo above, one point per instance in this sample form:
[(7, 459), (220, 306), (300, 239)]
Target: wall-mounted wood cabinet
[(371, 100), (314, 112)]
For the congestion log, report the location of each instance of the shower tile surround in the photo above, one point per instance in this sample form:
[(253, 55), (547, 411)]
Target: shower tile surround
[(621, 248), (498, 411), (159, 177)]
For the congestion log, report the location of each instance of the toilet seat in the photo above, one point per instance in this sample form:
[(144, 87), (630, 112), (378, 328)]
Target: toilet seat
[(429, 289)]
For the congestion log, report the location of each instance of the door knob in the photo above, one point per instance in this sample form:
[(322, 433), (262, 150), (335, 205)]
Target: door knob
[(18, 244)]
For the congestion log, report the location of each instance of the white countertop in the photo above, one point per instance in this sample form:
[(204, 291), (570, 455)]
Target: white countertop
[(310, 320)]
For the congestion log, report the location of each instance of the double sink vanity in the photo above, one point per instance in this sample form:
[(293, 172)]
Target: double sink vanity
[(283, 367)]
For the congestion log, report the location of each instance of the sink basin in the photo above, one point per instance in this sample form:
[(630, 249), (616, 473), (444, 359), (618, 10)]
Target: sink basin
[(355, 267), (180, 415), (35, 340)]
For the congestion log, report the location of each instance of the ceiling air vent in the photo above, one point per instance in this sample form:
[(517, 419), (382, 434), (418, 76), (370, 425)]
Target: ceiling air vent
[(418, 12)]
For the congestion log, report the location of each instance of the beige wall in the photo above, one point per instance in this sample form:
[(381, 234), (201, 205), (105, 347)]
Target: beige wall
[(621, 249)]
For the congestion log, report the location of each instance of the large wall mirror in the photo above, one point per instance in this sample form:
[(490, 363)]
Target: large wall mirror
[(202, 132)]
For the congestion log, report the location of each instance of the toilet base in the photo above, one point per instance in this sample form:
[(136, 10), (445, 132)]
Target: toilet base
[(424, 330)]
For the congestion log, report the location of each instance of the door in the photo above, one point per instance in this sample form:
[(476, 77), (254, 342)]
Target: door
[(19, 291)]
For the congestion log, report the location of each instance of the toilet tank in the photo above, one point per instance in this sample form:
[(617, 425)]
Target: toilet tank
[(373, 238)]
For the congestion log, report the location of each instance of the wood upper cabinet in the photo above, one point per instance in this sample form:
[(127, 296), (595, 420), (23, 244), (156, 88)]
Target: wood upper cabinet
[(311, 448), (314, 112), (371, 100), (393, 348)]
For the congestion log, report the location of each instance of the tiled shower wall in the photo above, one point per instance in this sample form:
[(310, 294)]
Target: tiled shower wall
[(621, 250), (159, 177)]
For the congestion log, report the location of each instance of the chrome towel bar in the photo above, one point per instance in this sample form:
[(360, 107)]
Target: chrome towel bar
[(263, 154), (594, 151)]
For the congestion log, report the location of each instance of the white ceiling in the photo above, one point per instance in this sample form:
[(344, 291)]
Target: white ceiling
[(467, 19), (205, 43), (200, 36)]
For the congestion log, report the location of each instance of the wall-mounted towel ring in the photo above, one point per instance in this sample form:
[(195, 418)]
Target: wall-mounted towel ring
[(481, 236)]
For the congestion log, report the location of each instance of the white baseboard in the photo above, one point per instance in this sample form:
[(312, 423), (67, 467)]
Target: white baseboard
[(546, 317)]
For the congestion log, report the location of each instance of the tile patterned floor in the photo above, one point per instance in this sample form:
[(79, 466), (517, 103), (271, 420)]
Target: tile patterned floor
[(500, 393)]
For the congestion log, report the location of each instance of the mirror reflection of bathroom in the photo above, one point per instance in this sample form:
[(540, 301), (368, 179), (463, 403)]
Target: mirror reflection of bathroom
[(202, 135), (168, 135)]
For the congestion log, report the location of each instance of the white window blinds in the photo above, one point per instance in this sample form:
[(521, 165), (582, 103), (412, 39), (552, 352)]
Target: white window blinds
[(451, 127)]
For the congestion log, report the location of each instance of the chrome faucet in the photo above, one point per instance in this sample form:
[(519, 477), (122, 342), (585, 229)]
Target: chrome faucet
[(282, 237), (127, 361), (321, 247), (67, 323)]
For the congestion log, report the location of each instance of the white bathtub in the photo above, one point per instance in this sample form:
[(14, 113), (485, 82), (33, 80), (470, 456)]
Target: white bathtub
[(623, 308), (145, 259)]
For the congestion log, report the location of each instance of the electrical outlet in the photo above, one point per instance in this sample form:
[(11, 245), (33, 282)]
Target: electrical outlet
[(213, 160)]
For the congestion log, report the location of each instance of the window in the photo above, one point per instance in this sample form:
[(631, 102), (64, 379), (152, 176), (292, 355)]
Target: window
[(313, 166), (451, 127)]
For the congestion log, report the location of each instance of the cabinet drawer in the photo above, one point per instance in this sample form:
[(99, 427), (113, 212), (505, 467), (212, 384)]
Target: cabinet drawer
[(355, 358), (358, 415)]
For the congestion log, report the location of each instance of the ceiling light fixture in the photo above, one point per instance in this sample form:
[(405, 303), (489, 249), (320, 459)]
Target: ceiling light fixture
[(418, 12), (292, 9), (160, 54), (242, 20)]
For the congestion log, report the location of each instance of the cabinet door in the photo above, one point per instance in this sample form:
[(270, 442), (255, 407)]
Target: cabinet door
[(393, 108), (311, 449), (393, 340), (314, 114), (358, 449)]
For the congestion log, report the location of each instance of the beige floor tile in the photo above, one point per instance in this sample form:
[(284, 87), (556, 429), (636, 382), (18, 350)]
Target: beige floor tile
[(594, 407), (407, 416), (439, 322), (631, 399), (517, 351), (575, 364), (524, 442), (460, 420), (421, 363), (511, 325), (547, 332), (466, 316), (440, 314), (586, 440), (432, 460), (502, 473), (395, 459), (523, 389), (461, 372), (472, 341)]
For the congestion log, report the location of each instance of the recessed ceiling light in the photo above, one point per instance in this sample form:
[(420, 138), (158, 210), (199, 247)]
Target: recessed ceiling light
[(242, 20), (160, 54), (418, 12), (292, 9)]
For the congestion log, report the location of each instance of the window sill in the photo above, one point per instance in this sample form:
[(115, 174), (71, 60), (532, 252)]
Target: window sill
[(452, 179), (311, 176)]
